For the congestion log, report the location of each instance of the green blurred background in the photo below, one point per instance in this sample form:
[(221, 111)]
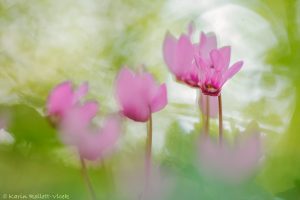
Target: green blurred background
[(43, 43)]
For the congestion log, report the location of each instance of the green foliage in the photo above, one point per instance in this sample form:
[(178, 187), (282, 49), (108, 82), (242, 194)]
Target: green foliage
[(28, 127)]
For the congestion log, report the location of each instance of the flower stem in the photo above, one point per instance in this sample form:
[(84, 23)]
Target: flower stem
[(207, 116), (148, 161), (220, 119), (87, 179), (202, 115)]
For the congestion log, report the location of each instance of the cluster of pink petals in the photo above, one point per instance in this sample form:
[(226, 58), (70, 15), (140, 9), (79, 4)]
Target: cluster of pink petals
[(230, 163), (138, 94), (200, 65), (74, 121), (63, 98), (214, 73)]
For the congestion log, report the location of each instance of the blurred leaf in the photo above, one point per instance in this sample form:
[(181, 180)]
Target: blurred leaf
[(27, 125)]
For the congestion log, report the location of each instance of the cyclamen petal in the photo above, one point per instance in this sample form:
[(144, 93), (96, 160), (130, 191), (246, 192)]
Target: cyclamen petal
[(75, 121), (81, 92), (185, 52), (97, 145), (221, 58), (235, 68), (109, 133), (179, 56), (139, 95), (160, 99), (234, 164), (169, 51), (208, 42), (60, 99)]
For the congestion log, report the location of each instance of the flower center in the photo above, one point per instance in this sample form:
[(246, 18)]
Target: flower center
[(211, 88)]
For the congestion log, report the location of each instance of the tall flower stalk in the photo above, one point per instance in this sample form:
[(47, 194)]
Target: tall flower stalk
[(139, 96), (87, 179), (207, 115), (148, 161), (201, 65), (220, 119)]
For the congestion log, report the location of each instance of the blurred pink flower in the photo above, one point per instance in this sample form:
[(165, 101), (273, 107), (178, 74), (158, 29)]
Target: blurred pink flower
[(92, 142), (62, 98), (131, 182), (75, 122), (233, 164), (139, 95), (214, 72), (179, 55)]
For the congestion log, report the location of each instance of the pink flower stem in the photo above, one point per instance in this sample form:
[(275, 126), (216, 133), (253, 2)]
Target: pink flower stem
[(207, 116), (220, 119), (87, 179), (148, 154)]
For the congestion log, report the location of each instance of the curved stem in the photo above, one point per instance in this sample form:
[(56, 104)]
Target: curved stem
[(220, 119), (87, 179)]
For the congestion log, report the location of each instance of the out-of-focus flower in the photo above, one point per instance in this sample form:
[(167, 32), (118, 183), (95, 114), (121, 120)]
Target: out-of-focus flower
[(214, 73), (92, 142), (131, 182), (230, 163), (179, 55), (62, 98), (75, 122), (212, 103), (139, 95)]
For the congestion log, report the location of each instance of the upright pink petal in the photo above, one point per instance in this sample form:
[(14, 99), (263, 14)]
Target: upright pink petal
[(208, 42), (60, 99), (217, 60), (185, 52), (91, 141), (109, 134), (170, 56), (232, 71), (81, 92), (132, 96), (88, 111), (95, 145), (225, 58), (160, 100)]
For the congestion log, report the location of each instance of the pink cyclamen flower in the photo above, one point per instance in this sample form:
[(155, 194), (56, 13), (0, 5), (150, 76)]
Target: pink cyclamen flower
[(139, 95), (62, 98), (92, 142), (179, 55), (230, 163), (74, 121), (214, 72)]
